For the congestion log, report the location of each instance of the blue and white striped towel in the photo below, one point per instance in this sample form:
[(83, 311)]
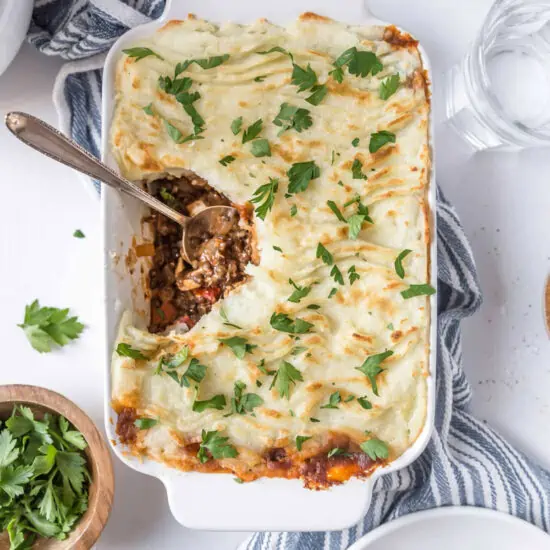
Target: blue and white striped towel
[(466, 462)]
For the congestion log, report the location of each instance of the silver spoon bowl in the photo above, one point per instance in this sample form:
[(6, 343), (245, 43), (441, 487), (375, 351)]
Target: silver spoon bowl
[(39, 135)]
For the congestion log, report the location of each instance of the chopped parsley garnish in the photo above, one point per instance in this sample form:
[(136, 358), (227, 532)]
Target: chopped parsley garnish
[(359, 63), (333, 401), (195, 371), (126, 350), (291, 117), (174, 85), (399, 263), (243, 403), (226, 322), (332, 292), (353, 275), (283, 323), (313, 306), (260, 78), (238, 480), (314, 419), (277, 49), (145, 423), (236, 125), (324, 254), (261, 148), (418, 290), (390, 326), (262, 368), (300, 174), (297, 350), (299, 292), (355, 142), (337, 74), (379, 139), (167, 196), (389, 86), (336, 211), (205, 63), (265, 193), (278, 249), (371, 368), (357, 170), (148, 109), (252, 131), (293, 210), (336, 274), (78, 234), (45, 327), (319, 93), (364, 402), (173, 132), (217, 402), (141, 53), (355, 222), (238, 345), (300, 440), (173, 361), (337, 452), (349, 398), (286, 376), (226, 160), (44, 478), (216, 445), (375, 449), (303, 78)]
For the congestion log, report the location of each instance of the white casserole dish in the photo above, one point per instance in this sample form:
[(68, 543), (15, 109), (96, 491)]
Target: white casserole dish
[(215, 501)]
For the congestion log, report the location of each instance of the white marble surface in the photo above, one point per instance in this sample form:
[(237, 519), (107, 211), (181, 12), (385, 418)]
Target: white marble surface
[(503, 200)]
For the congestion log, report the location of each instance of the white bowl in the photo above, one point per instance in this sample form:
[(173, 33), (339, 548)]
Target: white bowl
[(15, 17)]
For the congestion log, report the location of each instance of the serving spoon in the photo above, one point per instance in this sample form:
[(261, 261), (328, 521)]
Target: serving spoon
[(44, 138)]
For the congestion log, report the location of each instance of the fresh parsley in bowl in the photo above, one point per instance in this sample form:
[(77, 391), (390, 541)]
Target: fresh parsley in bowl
[(56, 478)]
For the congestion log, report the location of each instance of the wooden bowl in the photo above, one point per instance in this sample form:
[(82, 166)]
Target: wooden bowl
[(90, 526)]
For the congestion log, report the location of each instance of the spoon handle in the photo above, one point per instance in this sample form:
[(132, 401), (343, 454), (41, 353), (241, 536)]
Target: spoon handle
[(52, 143)]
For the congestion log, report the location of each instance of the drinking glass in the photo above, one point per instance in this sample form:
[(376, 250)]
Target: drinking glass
[(499, 95)]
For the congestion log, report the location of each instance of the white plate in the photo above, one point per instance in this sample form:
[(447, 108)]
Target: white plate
[(455, 528), (215, 501)]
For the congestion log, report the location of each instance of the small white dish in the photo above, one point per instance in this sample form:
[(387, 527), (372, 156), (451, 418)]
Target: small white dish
[(455, 528), (15, 16)]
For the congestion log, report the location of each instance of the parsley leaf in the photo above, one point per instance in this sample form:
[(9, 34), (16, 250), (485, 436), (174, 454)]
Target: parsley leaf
[(148, 109), (140, 53), (389, 86), (371, 368), (364, 402), (313, 306), (355, 224), (265, 193), (324, 254), (260, 78), (173, 86), (300, 174), (293, 210), (299, 292), (379, 139), (8, 450), (333, 401), (274, 49), (195, 371), (243, 403), (286, 376), (278, 249), (375, 449), (47, 326), (252, 131), (357, 170), (125, 350), (173, 132), (283, 323), (223, 315), (335, 209), (261, 148), (78, 234), (399, 263), (418, 290), (263, 369), (239, 345), (216, 445), (355, 142), (332, 292), (236, 125), (319, 93), (337, 74), (336, 274), (359, 63), (217, 402), (205, 63), (314, 419), (291, 117), (303, 78), (226, 160), (337, 452), (297, 350), (300, 440), (353, 275), (145, 423), (167, 196)]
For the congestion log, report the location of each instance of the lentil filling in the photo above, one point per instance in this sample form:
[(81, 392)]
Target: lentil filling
[(181, 293)]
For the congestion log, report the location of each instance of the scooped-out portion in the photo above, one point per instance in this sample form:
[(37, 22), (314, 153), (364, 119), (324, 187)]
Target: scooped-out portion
[(182, 293)]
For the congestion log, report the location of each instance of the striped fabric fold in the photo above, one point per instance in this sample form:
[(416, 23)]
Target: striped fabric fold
[(466, 461)]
